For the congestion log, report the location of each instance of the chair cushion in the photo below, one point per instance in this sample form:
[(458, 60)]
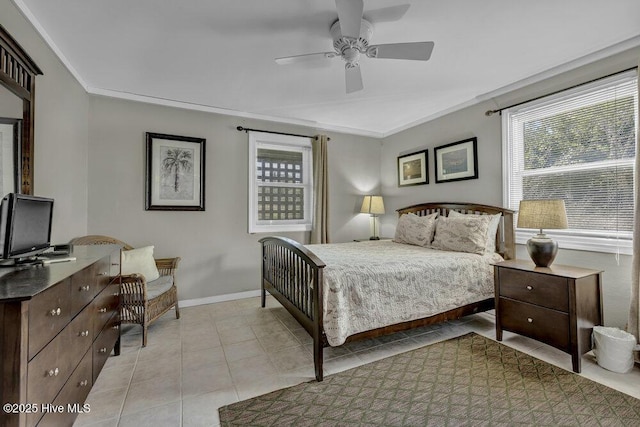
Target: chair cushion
[(140, 261), (159, 286)]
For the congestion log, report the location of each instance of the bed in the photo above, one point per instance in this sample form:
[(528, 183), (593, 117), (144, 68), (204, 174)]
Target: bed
[(349, 291)]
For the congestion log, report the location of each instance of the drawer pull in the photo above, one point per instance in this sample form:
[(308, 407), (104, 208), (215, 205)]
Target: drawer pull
[(116, 294), (53, 372), (115, 264), (102, 350), (104, 273), (529, 288), (116, 327), (56, 312), (83, 383), (529, 319), (85, 288), (102, 310), (84, 333)]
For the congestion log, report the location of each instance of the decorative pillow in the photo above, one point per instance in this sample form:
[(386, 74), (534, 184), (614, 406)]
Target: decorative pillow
[(491, 233), (415, 230), (140, 261), (462, 234)]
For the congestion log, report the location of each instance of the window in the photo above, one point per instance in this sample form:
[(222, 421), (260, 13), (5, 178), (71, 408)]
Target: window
[(578, 145), (280, 183)]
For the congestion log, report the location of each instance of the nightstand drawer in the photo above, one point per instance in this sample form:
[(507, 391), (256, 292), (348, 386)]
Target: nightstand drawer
[(542, 324), (535, 288)]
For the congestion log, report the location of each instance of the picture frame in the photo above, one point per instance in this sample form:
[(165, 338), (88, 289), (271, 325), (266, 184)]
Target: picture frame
[(175, 173), (456, 161), (10, 155), (413, 168)]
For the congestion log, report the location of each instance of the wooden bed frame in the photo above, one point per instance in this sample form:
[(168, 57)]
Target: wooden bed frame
[(293, 275)]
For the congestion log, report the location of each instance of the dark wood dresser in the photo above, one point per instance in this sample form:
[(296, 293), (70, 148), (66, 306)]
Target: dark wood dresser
[(557, 305), (58, 325)]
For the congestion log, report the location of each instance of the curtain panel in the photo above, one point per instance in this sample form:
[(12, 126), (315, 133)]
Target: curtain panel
[(320, 229), (634, 311)]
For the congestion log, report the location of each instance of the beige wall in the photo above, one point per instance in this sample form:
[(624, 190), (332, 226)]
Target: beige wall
[(89, 156), (487, 188), (61, 130), (218, 255)]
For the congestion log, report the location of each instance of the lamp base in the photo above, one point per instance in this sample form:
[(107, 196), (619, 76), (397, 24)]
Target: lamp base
[(542, 250)]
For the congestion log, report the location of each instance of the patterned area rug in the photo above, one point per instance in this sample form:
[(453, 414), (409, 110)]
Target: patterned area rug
[(470, 380)]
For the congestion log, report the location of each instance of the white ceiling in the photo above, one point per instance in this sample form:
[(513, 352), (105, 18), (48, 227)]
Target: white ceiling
[(218, 55)]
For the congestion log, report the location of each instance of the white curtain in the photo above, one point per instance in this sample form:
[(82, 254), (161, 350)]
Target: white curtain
[(634, 312), (320, 230)]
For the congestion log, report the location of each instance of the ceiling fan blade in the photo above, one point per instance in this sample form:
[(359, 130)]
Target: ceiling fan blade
[(350, 17), (353, 78), (387, 14), (419, 51), (309, 57)]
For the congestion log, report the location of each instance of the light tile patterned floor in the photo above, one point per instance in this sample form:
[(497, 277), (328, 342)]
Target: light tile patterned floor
[(225, 352)]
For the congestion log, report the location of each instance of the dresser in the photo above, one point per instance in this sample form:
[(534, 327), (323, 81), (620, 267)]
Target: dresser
[(58, 325), (557, 305)]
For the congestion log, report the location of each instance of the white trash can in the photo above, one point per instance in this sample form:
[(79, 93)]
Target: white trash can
[(613, 348)]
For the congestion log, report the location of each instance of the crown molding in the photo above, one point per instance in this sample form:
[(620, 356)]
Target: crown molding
[(571, 65), (598, 55), (228, 112), (30, 17)]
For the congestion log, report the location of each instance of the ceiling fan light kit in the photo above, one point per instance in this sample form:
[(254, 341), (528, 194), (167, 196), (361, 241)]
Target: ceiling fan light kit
[(351, 35)]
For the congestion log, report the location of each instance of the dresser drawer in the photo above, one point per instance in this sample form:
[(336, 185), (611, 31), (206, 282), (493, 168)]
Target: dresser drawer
[(535, 288), (83, 288), (72, 395), (114, 267), (539, 323), (104, 343), (49, 370), (105, 305), (101, 272), (80, 332), (49, 312)]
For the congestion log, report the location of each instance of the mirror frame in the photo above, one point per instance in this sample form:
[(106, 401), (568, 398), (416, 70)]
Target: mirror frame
[(18, 74)]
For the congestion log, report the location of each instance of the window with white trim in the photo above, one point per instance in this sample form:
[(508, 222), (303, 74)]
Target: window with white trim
[(280, 183), (580, 146)]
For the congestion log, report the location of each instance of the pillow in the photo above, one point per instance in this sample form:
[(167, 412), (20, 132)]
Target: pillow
[(140, 261), (491, 233), (462, 234), (415, 230)]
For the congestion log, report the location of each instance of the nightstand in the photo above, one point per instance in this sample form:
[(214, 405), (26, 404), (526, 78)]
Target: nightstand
[(557, 305)]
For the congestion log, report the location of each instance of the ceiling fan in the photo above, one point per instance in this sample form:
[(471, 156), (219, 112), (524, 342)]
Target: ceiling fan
[(351, 34)]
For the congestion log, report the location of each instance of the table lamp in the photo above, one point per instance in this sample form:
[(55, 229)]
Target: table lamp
[(373, 205), (542, 214)]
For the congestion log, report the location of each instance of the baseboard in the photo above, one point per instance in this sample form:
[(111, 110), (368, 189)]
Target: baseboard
[(218, 298)]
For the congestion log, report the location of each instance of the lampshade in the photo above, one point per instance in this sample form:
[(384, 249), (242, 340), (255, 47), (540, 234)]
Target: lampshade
[(372, 205), (542, 214)]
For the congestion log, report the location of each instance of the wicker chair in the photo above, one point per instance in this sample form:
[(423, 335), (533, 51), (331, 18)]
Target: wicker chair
[(135, 305)]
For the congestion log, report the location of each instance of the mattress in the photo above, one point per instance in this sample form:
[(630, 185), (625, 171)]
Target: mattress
[(373, 284)]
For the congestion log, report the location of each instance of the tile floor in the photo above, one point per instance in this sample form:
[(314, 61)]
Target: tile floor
[(225, 352)]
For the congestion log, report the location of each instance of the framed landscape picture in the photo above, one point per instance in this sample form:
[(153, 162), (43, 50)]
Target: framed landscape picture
[(175, 173), (413, 168), (457, 161)]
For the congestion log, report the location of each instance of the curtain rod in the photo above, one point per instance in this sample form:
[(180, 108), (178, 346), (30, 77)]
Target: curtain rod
[(240, 128), (499, 110)]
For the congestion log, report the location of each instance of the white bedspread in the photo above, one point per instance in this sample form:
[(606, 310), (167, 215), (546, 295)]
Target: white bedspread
[(373, 284)]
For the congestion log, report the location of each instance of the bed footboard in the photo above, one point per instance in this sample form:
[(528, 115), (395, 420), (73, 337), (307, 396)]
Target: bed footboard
[(293, 275)]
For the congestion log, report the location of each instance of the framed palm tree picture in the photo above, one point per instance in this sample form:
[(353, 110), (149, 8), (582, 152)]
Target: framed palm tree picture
[(175, 173)]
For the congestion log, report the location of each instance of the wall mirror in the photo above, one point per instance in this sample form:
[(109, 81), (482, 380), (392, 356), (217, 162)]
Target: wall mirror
[(17, 76)]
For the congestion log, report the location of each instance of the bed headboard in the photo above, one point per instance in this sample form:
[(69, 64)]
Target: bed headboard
[(505, 238)]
